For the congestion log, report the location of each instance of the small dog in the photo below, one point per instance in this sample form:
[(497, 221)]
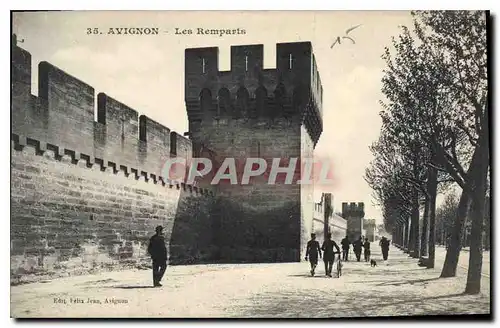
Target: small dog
[(423, 262), (373, 263)]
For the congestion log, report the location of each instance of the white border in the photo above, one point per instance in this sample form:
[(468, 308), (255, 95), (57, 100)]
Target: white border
[(252, 5), (184, 5)]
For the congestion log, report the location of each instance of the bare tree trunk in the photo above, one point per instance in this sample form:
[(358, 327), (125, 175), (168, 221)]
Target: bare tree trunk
[(464, 232), (480, 175), (414, 230), (432, 190), (473, 285), (395, 235), (453, 252), (423, 236), (487, 227), (406, 242), (407, 236), (401, 235)]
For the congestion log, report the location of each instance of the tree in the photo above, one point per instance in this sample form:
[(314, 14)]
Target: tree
[(487, 221), (393, 192), (411, 119), (436, 90), (461, 38), (445, 217)]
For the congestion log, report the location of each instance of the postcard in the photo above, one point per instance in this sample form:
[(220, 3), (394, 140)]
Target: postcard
[(250, 164)]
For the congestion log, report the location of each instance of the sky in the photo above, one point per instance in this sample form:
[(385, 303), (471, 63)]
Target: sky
[(147, 72)]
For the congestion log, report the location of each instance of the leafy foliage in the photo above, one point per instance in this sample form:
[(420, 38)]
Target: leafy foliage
[(435, 89)]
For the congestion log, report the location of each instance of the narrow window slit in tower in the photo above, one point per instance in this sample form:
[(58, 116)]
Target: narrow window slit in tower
[(203, 63), (291, 61), (246, 63)]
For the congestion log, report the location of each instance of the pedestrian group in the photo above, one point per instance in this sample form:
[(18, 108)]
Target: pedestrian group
[(158, 252), (360, 245)]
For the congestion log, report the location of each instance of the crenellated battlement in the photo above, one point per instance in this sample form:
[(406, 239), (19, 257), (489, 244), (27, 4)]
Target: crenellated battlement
[(353, 210), (19, 142), (62, 118), (354, 214), (248, 91)]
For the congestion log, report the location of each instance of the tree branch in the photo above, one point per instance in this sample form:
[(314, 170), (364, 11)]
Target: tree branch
[(472, 139)]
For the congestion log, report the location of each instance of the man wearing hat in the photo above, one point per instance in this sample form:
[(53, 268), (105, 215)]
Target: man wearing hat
[(158, 252), (312, 252), (329, 254)]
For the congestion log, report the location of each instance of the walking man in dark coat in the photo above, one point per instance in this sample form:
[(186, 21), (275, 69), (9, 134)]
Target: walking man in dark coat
[(312, 252), (345, 248), (329, 254), (158, 252), (357, 246), (367, 252), (384, 245)]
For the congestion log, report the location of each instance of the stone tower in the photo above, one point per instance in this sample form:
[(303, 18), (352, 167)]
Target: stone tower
[(354, 214), (248, 112)]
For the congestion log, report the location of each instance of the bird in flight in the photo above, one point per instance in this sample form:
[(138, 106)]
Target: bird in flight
[(346, 36)]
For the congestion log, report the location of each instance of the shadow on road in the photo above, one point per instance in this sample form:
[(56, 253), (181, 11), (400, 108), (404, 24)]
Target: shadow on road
[(404, 282), (411, 270), (359, 304), (384, 291), (97, 282), (308, 276), (130, 287), (408, 301)]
